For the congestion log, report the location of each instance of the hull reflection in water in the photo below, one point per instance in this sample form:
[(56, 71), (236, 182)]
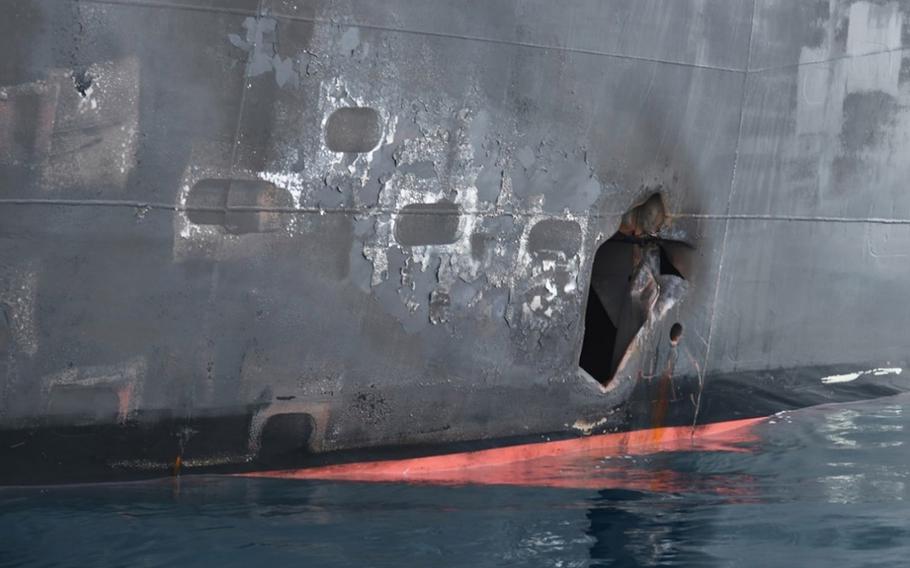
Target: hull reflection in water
[(574, 463), (818, 487)]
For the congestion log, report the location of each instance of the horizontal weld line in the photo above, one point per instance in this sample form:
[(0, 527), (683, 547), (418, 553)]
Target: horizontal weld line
[(291, 17), (797, 218), (89, 203), (386, 211), (843, 57), (377, 27), (172, 6), (496, 41), (289, 210)]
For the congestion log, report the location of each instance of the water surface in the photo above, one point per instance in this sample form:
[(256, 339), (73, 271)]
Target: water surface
[(822, 486)]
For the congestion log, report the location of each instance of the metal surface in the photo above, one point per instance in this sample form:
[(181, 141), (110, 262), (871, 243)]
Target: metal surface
[(339, 226)]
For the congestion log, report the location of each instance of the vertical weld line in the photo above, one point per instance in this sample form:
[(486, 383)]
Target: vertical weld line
[(242, 102), (207, 324), (236, 142), (723, 243)]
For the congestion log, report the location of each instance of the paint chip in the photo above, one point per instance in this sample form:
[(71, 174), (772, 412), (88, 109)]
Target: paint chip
[(847, 377)]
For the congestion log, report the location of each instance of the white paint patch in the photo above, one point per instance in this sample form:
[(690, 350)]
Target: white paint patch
[(293, 182), (846, 378)]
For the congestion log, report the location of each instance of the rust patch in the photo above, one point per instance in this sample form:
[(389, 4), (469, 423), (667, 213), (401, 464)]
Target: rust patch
[(646, 219)]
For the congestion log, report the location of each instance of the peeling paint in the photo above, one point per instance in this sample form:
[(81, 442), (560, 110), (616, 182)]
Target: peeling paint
[(588, 426), (848, 377), (260, 41)]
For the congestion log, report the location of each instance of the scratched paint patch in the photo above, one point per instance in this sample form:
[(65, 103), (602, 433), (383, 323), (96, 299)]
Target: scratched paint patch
[(95, 134), (18, 294), (124, 380)]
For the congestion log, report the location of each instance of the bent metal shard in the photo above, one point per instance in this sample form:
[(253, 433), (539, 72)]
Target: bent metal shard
[(273, 235)]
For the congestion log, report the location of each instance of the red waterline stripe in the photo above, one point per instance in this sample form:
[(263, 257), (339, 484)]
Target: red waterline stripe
[(720, 435)]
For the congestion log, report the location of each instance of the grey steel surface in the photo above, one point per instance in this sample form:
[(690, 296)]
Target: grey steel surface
[(776, 131)]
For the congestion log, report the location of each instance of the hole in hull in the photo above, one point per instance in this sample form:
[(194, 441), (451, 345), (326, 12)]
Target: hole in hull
[(611, 318), (624, 276), (599, 340), (666, 266), (676, 333)]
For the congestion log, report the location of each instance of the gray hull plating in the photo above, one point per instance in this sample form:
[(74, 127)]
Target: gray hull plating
[(383, 216)]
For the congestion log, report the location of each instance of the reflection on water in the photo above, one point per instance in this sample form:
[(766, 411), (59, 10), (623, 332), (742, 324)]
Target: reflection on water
[(579, 463), (823, 485)]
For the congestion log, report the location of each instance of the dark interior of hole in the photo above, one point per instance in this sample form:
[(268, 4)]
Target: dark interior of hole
[(666, 267), (611, 320), (676, 332), (599, 341), (82, 81), (608, 294)]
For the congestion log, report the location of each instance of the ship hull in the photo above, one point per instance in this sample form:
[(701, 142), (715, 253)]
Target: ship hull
[(255, 235)]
